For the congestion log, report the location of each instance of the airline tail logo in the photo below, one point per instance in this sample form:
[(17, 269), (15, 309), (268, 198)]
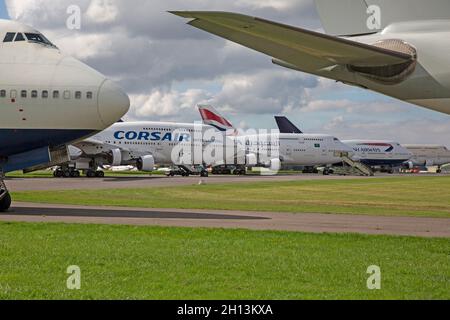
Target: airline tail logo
[(212, 118)]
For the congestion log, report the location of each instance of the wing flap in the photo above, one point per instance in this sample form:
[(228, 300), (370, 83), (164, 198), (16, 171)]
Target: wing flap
[(308, 49), (92, 147)]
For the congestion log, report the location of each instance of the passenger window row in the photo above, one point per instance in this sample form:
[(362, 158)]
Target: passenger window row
[(45, 94)]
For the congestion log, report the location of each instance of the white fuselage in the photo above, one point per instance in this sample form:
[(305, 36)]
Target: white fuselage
[(296, 149), (429, 155), (168, 143), (48, 99), (163, 141), (378, 153)]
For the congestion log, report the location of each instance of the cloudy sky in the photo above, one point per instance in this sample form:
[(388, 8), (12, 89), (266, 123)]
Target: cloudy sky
[(168, 68)]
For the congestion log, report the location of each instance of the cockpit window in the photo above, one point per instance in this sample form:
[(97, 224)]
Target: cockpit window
[(31, 37), (9, 37), (19, 37), (39, 38)]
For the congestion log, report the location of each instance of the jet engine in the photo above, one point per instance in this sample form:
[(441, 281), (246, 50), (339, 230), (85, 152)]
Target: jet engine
[(146, 163), (116, 157), (410, 165), (274, 165), (390, 74), (251, 160)]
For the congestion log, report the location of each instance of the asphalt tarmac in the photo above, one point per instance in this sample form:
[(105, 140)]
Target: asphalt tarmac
[(301, 222), (44, 184)]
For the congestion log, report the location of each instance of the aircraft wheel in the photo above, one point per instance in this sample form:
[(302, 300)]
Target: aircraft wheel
[(5, 203), (75, 174), (90, 174), (58, 173), (100, 174)]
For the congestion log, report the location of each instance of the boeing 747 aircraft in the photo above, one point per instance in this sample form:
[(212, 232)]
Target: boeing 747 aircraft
[(145, 144), (47, 99), (383, 154), (397, 48), (429, 155), (287, 148)]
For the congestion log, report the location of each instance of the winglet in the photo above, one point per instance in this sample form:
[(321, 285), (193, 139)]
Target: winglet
[(183, 14)]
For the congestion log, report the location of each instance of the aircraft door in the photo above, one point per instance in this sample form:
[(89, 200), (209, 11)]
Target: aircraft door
[(289, 150)]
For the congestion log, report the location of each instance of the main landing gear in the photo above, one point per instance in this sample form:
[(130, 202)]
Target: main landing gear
[(185, 171), (5, 197), (95, 174), (73, 173)]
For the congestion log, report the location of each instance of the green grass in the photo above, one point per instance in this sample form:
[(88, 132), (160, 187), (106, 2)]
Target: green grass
[(404, 196), (37, 174), (121, 262)]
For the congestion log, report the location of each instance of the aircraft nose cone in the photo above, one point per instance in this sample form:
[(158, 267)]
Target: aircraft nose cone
[(346, 148), (113, 103)]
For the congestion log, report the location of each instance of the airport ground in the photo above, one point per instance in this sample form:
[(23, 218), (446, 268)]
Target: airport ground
[(286, 237)]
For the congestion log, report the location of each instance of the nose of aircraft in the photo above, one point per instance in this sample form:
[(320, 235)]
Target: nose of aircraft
[(113, 102), (345, 148)]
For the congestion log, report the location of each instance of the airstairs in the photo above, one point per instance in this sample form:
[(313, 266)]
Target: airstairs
[(352, 167)]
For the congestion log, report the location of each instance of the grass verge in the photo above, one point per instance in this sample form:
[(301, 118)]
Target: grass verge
[(121, 262), (416, 197)]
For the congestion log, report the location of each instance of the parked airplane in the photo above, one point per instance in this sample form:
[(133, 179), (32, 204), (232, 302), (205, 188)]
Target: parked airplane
[(144, 144), (384, 154), (47, 100), (429, 156), (397, 48), (289, 148)]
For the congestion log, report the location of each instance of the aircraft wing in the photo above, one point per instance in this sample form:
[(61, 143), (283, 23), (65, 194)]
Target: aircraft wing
[(307, 50)]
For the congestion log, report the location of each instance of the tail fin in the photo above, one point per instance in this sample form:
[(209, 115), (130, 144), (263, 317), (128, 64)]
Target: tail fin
[(213, 118), (286, 126), (355, 17)]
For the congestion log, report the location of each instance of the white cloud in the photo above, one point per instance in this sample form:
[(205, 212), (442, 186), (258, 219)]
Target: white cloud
[(102, 11), (352, 107), (171, 105), (258, 4), (335, 123)]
